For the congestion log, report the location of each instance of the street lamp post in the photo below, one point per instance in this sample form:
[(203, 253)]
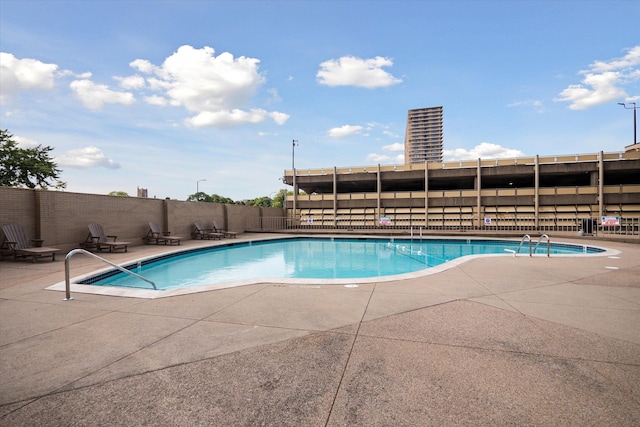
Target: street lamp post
[(293, 153), (198, 186), (634, 108), (295, 184)]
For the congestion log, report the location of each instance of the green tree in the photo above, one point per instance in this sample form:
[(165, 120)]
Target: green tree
[(27, 167), (214, 198), (279, 198), (260, 201), (119, 193), (199, 197)]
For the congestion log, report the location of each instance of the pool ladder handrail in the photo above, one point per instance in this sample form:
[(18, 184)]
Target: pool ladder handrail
[(525, 238), (544, 236), (67, 278)]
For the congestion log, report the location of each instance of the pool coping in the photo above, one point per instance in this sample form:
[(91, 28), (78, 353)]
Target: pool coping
[(155, 294)]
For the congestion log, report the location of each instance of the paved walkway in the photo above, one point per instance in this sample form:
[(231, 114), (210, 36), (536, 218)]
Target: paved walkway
[(494, 341)]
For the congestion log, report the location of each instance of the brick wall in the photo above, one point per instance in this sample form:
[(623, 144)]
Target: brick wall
[(18, 207), (61, 218)]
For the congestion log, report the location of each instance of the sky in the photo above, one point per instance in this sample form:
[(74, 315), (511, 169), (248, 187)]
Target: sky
[(180, 96)]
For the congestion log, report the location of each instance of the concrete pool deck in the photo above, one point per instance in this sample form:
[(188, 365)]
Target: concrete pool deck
[(492, 341)]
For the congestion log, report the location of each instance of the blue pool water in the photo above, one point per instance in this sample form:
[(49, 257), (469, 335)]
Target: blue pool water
[(308, 258)]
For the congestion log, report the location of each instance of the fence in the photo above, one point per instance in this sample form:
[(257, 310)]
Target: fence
[(625, 227)]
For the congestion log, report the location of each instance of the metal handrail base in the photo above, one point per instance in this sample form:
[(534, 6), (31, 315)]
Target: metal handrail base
[(67, 276)]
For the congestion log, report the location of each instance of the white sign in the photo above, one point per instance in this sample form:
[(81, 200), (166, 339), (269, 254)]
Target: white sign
[(385, 220), (610, 221), (487, 220)]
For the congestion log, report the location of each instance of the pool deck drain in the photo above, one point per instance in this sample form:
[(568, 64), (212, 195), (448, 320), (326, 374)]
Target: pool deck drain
[(510, 340)]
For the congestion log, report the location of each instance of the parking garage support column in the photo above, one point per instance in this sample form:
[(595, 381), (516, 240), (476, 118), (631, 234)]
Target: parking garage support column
[(479, 190), (335, 197), (379, 187), (536, 194), (295, 199), (601, 184), (426, 194)]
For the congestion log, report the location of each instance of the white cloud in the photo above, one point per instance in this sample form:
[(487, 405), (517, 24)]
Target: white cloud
[(390, 134), (603, 81), (131, 82), (484, 150), (398, 146), (632, 58), (385, 159), (94, 96), (537, 105), (156, 100), (234, 117), (143, 66), (275, 96), (18, 75), (67, 73), (157, 84), (352, 71), (378, 158), (346, 130), (278, 117), (85, 75), (87, 157), (25, 142), (203, 82), (215, 88), (596, 89)]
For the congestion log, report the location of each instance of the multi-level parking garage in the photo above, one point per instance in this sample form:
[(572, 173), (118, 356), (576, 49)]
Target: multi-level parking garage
[(541, 192)]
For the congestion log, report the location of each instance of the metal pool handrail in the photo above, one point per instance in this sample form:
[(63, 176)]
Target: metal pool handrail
[(544, 236), (67, 276), (526, 237)]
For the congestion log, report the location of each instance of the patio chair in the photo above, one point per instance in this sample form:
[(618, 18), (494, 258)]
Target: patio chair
[(16, 243), (155, 235), (226, 233), (97, 239), (199, 232)]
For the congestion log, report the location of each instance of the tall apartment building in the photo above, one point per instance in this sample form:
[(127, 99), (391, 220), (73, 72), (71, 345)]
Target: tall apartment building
[(424, 136)]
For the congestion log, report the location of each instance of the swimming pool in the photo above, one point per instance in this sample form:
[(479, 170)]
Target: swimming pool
[(311, 258)]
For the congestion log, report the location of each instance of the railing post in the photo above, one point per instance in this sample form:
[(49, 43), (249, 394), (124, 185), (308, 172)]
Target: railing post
[(67, 275)]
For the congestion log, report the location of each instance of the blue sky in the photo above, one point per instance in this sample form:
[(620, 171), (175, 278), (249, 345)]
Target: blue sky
[(160, 95)]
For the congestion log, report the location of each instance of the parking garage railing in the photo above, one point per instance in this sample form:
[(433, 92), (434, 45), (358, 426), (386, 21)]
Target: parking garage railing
[(624, 227)]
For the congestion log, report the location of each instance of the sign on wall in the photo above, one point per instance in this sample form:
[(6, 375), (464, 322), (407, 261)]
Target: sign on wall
[(610, 221)]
